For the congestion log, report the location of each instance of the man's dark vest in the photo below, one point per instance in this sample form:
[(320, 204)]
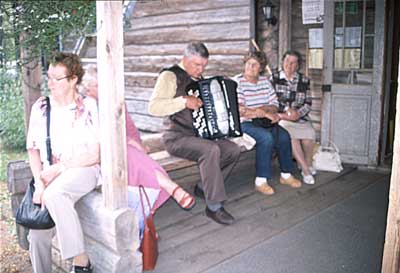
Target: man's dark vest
[(182, 120)]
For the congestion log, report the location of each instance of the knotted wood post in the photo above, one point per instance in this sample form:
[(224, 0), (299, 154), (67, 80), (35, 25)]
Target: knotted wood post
[(110, 62), (31, 80), (391, 253)]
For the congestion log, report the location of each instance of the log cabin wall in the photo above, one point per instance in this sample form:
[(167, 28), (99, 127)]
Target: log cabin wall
[(160, 29), (158, 34)]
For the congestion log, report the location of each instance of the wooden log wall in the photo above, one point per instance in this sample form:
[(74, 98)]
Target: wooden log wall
[(160, 29), (159, 32)]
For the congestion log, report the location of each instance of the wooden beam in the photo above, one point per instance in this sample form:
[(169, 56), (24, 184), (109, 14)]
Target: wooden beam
[(285, 27), (31, 80), (110, 65), (391, 252)]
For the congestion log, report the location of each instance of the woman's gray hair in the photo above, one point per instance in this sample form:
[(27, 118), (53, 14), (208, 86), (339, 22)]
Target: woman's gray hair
[(196, 49), (293, 53), (89, 76)]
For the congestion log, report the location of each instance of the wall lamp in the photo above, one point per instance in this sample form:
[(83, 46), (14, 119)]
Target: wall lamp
[(268, 11)]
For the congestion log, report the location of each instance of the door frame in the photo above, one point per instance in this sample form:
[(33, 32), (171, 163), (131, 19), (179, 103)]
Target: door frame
[(377, 81)]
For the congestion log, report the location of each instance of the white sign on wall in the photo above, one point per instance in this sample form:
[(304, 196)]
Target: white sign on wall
[(315, 37), (313, 11)]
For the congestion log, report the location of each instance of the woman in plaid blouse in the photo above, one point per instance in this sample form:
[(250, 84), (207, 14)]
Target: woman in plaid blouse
[(293, 91)]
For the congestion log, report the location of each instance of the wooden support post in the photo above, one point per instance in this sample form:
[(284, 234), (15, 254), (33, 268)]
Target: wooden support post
[(391, 253), (285, 28), (31, 80), (110, 64)]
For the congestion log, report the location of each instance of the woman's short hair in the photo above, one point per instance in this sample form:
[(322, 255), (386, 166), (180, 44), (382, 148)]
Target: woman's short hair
[(71, 61), (259, 56), (295, 54)]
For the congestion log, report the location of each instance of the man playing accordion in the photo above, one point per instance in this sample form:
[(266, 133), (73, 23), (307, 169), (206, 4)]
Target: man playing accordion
[(215, 158)]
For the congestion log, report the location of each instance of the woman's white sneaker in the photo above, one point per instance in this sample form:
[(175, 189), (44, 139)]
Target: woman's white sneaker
[(308, 179)]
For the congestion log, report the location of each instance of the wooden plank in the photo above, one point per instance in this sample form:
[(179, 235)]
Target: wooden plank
[(391, 253), (285, 27), (207, 16), (111, 103), (149, 8), (228, 65), (214, 48), (210, 32), (147, 123), (109, 261), (140, 93), (265, 217), (18, 176)]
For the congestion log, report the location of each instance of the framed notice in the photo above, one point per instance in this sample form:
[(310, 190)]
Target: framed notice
[(315, 37), (313, 11), (315, 58)]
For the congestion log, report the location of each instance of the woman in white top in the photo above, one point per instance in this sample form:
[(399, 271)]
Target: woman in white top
[(74, 135)]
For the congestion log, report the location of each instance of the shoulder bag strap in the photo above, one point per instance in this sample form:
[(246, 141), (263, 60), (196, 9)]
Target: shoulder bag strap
[(48, 141), (141, 192)]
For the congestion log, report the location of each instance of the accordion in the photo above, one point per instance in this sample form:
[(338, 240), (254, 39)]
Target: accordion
[(219, 115)]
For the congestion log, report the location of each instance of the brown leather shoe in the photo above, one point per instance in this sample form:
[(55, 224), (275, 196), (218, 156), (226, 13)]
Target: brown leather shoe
[(265, 189), (291, 181), (82, 269), (221, 216)]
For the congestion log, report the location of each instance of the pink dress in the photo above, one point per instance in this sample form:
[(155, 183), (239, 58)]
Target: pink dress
[(141, 167)]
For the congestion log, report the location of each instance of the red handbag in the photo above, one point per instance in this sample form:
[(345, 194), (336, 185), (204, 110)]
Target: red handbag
[(149, 245)]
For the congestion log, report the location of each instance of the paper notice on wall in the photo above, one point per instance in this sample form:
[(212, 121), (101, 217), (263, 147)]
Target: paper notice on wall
[(315, 37), (315, 58), (313, 11)]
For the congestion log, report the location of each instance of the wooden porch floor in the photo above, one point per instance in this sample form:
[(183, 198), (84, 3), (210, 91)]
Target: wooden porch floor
[(190, 242)]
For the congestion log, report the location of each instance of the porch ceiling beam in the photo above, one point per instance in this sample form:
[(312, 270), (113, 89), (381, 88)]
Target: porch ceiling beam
[(110, 65)]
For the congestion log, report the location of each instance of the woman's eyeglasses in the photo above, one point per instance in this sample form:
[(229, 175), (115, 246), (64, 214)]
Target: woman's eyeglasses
[(56, 79)]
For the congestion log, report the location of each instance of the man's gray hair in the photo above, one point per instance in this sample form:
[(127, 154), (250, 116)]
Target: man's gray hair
[(196, 49)]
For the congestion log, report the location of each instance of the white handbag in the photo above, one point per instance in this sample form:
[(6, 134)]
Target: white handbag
[(327, 159)]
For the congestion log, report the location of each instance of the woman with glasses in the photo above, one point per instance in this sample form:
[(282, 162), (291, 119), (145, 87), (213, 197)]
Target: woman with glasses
[(257, 100), (73, 172)]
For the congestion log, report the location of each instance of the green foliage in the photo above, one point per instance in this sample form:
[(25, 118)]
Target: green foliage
[(42, 24), (12, 125)]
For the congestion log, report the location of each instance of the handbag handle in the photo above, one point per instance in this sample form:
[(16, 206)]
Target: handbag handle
[(48, 141), (141, 189), (334, 146)]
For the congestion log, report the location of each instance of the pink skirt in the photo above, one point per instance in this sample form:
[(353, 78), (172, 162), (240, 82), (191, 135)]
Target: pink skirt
[(142, 171)]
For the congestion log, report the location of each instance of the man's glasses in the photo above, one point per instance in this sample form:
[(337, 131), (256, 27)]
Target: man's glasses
[(56, 79)]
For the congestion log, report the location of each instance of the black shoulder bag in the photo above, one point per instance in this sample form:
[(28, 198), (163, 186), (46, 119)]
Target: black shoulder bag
[(263, 122), (32, 215)]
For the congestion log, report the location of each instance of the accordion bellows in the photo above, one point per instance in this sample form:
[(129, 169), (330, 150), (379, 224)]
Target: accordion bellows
[(219, 115)]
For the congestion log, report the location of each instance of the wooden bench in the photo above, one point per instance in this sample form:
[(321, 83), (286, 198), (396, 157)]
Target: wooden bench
[(111, 237)]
